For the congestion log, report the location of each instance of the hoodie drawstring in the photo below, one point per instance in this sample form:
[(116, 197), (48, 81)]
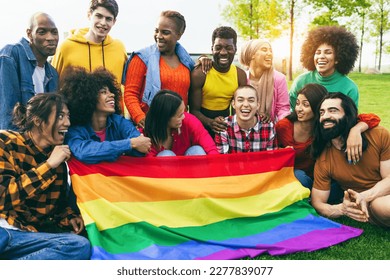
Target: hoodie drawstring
[(90, 59), (104, 62), (89, 56)]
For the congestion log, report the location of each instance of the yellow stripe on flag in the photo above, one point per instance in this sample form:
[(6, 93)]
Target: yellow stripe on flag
[(192, 212)]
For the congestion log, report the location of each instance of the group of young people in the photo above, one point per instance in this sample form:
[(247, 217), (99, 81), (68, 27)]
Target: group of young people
[(96, 104)]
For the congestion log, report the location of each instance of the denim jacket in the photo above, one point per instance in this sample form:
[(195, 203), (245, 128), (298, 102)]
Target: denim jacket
[(86, 146), (17, 65)]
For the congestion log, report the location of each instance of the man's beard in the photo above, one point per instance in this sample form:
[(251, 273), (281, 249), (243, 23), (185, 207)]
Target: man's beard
[(335, 131)]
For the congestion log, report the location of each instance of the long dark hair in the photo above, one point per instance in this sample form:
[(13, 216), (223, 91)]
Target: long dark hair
[(39, 107), (314, 94), (351, 118), (163, 107)]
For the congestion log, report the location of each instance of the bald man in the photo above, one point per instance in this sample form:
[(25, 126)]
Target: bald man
[(24, 70)]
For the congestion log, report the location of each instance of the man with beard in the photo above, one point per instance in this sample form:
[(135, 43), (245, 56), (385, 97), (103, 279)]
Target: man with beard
[(24, 70), (366, 184), (210, 94)]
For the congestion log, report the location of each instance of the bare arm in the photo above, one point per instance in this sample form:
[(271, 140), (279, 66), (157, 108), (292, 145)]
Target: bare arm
[(241, 75), (195, 95), (381, 188), (347, 208), (319, 200)]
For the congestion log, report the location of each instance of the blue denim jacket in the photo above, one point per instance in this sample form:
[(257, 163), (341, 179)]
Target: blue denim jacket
[(86, 146), (17, 65)]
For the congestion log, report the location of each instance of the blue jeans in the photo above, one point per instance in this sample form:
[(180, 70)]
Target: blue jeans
[(22, 245), (304, 179), (336, 193), (195, 150)]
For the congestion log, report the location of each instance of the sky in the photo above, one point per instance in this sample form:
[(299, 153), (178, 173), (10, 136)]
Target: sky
[(136, 22)]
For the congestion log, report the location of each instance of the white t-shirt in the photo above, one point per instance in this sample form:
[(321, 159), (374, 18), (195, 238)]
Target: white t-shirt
[(38, 78), (5, 224)]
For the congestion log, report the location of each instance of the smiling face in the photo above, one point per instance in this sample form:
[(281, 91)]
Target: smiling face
[(263, 57), (246, 105), (102, 20), (106, 101), (43, 36), (332, 118), (324, 60), (223, 54), (177, 120), (166, 35), (303, 109), (53, 131)]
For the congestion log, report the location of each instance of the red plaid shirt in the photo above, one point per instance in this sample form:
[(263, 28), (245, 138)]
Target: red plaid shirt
[(261, 137)]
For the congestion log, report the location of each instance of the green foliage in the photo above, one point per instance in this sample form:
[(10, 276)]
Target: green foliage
[(256, 18)]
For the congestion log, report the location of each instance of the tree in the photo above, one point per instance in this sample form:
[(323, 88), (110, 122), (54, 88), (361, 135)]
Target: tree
[(292, 5), (379, 17), (256, 18), (336, 10)]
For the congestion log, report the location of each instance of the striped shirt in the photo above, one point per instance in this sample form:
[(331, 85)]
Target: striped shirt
[(261, 137), (32, 194)]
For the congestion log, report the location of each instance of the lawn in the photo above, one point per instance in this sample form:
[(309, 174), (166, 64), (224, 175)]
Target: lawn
[(374, 243), (374, 95)]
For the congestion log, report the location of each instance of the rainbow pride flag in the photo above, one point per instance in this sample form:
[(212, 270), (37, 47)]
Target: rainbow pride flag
[(200, 207)]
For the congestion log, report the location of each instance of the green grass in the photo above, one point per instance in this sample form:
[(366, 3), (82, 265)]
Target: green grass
[(374, 95), (374, 243)]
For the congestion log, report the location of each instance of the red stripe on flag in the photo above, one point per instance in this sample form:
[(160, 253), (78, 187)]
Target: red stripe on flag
[(184, 167)]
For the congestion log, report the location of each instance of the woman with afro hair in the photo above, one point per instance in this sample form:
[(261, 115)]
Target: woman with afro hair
[(98, 132), (329, 53)]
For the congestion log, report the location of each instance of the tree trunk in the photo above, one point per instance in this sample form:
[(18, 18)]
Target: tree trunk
[(361, 42), (381, 37), (290, 67)]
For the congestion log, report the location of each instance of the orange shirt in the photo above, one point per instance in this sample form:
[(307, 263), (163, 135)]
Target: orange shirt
[(175, 79)]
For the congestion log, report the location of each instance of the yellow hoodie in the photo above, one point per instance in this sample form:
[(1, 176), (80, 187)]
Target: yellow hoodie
[(77, 51)]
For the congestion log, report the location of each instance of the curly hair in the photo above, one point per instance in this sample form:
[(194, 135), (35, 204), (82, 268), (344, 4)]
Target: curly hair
[(224, 32), (344, 44), (177, 18), (81, 88)]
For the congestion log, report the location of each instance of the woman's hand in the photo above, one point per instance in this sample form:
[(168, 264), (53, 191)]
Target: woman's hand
[(354, 147), (264, 117), (218, 124), (59, 154), (205, 64), (141, 123), (141, 143), (77, 224)]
